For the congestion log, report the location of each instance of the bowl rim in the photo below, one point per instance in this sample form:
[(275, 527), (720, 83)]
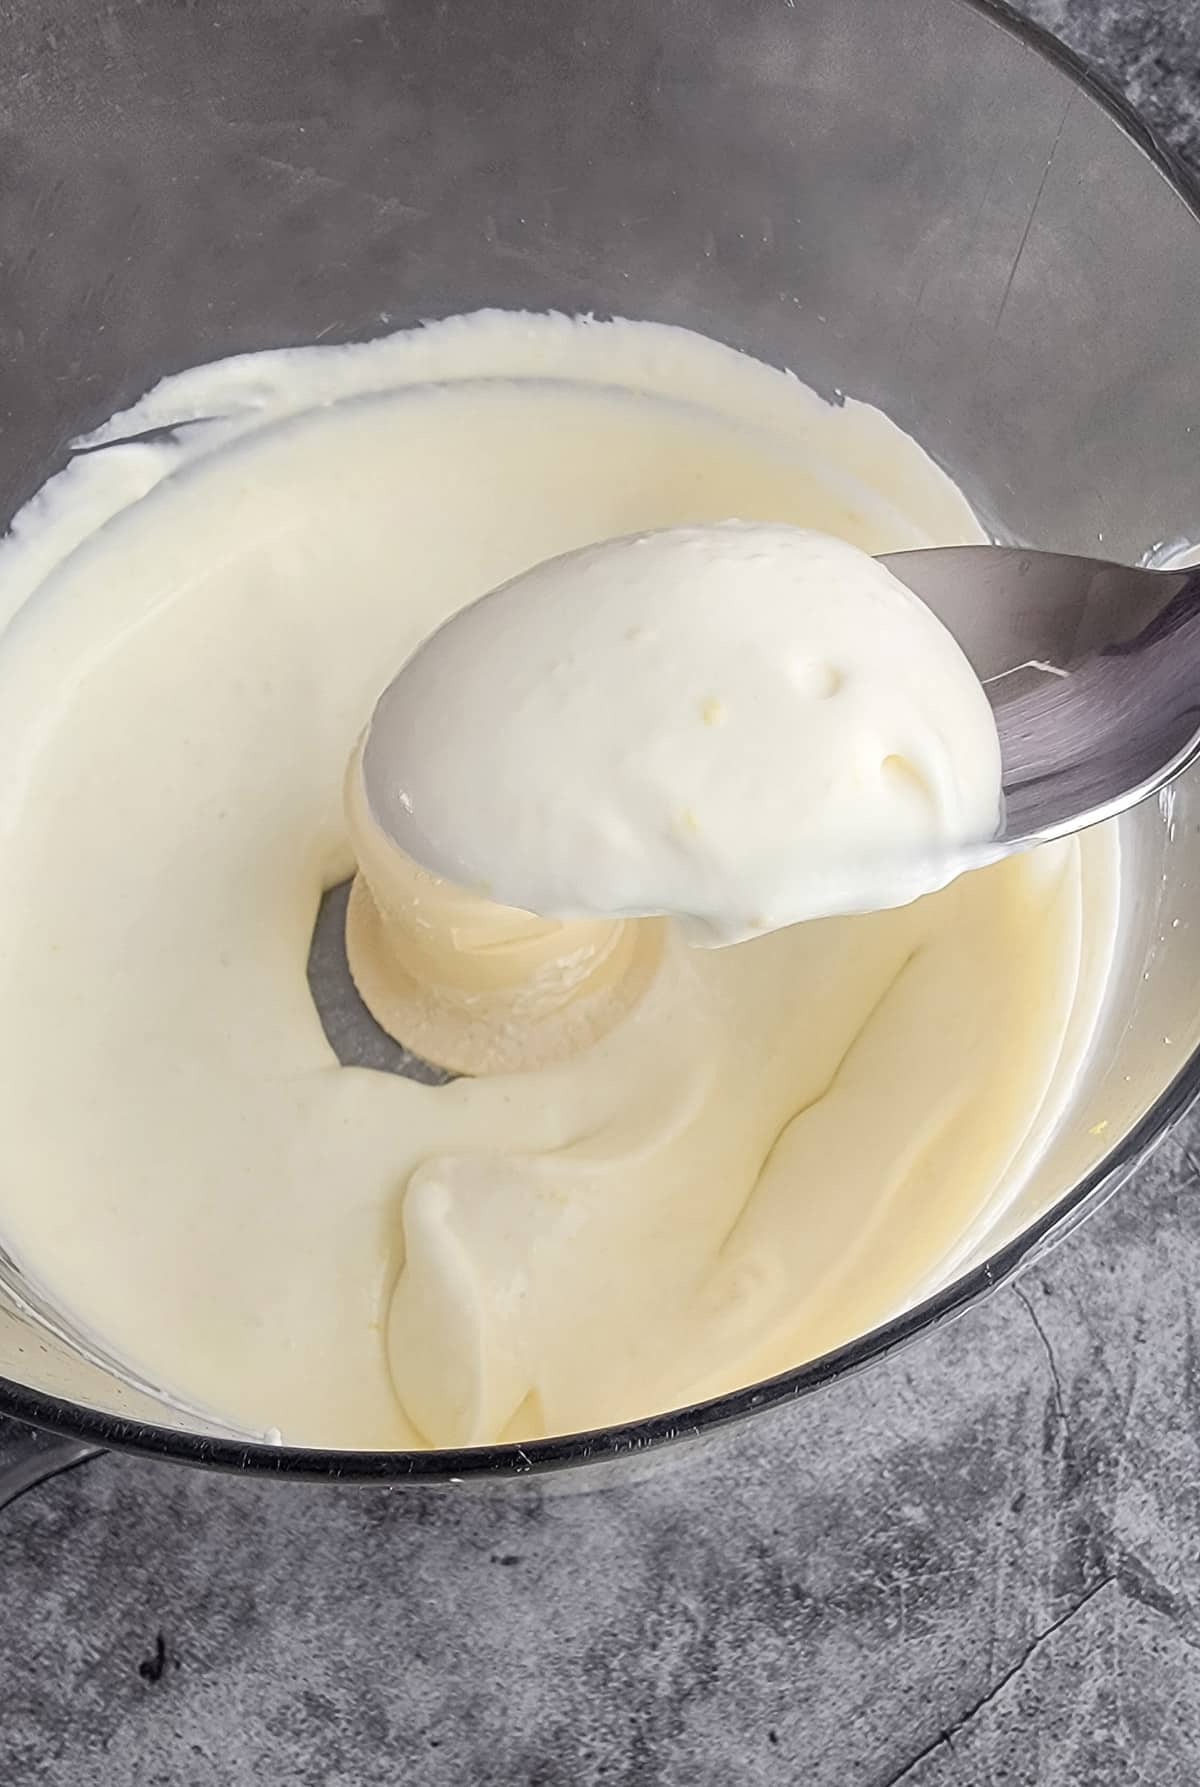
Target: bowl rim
[(572, 1452)]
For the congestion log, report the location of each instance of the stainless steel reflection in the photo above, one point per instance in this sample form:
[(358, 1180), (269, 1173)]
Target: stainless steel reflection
[(1092, 671)]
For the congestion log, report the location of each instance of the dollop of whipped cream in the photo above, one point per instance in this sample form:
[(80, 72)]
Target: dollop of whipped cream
[(741, 725)]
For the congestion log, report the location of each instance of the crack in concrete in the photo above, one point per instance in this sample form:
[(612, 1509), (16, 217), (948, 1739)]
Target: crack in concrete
[(946, 1738), (1060, 1401)]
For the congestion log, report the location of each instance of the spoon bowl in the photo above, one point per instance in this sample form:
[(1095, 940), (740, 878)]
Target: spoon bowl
[(1092, 670)]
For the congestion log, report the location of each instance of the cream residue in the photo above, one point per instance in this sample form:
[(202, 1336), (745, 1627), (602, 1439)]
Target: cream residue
[(778, 1146)]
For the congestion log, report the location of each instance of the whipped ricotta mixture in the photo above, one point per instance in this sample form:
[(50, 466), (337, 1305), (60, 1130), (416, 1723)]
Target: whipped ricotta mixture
[(741, 726), (759, 1153)]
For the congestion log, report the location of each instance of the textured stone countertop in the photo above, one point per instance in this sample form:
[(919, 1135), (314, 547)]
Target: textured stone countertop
[(977, 1564)]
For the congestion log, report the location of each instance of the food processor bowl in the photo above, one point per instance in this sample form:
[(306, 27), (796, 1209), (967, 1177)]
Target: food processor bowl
[(929, 206)]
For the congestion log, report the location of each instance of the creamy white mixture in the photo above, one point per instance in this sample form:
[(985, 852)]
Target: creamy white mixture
[(742, 726), (771, 1148)]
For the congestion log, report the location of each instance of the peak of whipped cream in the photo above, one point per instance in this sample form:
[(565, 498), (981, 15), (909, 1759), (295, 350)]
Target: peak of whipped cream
[(741, 725)]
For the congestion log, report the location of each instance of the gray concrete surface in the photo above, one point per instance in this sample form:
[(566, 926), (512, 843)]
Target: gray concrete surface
[(979, 1564)]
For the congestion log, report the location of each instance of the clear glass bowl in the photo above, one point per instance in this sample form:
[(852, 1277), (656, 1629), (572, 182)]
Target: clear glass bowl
[(933, 207)]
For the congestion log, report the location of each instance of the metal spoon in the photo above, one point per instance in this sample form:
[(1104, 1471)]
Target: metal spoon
[(1092, 670)]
